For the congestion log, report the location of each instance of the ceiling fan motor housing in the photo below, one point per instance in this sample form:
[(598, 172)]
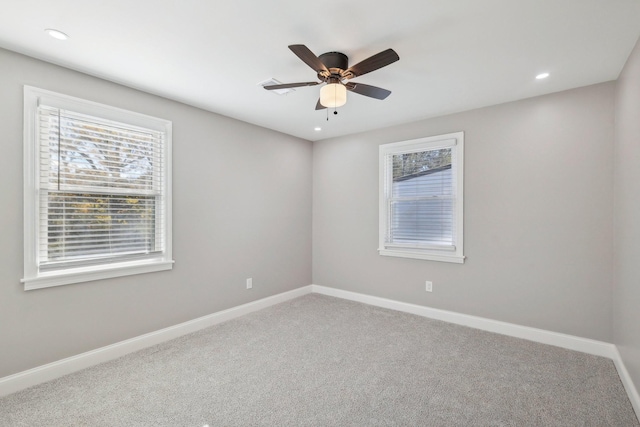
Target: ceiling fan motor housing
[(336, 62)]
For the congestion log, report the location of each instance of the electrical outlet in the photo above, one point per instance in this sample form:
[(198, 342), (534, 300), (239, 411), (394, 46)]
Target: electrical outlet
[(429, 286), (249, 283)]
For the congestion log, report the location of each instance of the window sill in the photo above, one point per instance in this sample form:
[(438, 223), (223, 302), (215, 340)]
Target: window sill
[(458, 259), (86, 274)]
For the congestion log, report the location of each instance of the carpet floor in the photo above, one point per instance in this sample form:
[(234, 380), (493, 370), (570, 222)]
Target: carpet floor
[(322, 361)]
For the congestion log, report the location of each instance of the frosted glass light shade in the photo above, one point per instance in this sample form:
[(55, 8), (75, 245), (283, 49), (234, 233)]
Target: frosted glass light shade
[(333, 95)]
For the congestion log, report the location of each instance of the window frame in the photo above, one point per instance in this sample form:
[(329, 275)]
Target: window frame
[(34, 278), (432, 253)]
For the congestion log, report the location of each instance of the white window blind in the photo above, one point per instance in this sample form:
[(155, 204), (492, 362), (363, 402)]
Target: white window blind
[(101, 189), (421, 198), (101, 199)]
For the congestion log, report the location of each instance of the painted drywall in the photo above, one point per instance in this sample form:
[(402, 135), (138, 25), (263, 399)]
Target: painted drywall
[(538, 230), (241, 208), (626, 290)]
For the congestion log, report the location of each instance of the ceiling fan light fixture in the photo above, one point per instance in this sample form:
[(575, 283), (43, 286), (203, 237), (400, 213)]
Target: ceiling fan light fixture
[(333, 95), (333, 69)]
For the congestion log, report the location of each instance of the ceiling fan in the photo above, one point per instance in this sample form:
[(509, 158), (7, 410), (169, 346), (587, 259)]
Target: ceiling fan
[(333, 69)]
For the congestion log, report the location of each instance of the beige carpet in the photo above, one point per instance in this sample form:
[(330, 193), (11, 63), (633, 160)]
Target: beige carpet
[(322, 361)]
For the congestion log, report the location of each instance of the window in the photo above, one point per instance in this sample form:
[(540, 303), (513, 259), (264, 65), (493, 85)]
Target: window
[(421, 190), (97, 191)]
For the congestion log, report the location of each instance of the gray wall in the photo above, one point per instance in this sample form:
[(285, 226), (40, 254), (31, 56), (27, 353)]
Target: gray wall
[(538, 215), (626, 291), (242, 208)]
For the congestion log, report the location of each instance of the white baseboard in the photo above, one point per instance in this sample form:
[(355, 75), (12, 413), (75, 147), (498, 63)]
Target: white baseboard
[(627, 382), (48, 372), (585, 345), (570, 342)]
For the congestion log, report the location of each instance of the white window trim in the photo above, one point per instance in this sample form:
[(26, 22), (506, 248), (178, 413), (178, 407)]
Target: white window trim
[(422, 144), (33, 278)]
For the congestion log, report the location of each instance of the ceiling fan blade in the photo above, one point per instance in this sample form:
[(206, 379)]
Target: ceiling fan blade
[(308, 57), (372, 63), (320, 106), (290, 85), (368, 90)]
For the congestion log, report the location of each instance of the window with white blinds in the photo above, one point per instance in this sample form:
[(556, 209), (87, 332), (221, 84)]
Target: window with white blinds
[(421, 192), (97, 193)]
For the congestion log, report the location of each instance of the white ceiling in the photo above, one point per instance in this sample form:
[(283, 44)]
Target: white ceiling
[(455, 55)]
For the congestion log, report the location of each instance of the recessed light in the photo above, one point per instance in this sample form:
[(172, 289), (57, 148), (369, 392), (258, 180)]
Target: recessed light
[(542, 76), (56, 34), (317, 128)]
